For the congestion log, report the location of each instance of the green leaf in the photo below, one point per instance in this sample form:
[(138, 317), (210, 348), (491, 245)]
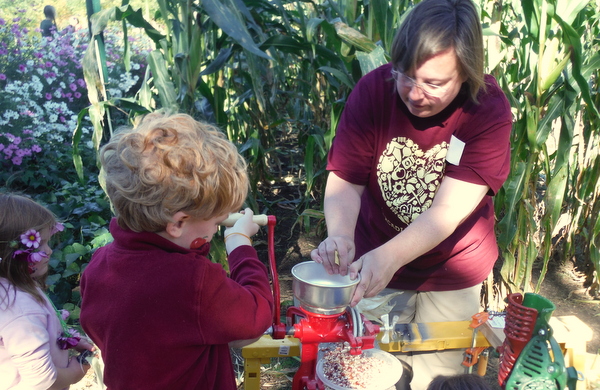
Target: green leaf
[(372, 60), (338, 74), (72, 269), (162, 79), (224, 17), (571, 37), (354, 37), (514, 186)]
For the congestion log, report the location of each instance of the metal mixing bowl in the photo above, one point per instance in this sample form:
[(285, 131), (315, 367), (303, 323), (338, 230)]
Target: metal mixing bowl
[(319, 292)]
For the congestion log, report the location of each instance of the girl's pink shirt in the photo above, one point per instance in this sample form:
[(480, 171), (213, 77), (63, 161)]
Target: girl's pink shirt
[(29, 353)]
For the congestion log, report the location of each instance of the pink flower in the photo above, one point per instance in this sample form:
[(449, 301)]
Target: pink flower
[(36, 257), (31, 238), (67, 342), (32, 257), (59, 227)]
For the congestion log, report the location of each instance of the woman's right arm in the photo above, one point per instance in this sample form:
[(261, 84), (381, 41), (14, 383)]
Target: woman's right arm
[(341, 205)]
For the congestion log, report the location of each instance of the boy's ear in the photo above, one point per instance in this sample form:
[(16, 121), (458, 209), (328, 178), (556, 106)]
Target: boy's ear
[(175, 228)]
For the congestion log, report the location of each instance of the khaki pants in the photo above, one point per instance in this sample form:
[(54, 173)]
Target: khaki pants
[(433, 306)]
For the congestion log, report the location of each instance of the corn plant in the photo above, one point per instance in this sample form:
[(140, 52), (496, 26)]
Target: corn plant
[(542, 74)]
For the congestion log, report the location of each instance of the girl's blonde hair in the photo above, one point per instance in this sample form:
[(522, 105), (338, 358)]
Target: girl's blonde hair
[(171, 163), (19, 214)]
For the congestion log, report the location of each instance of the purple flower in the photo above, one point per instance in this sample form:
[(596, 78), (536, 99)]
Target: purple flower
[(2, 76), (22, 68), (36, 257), (77, 95), (81, 82), (48, 96), (48, 64), (31, 238), (17, 140), (64, 314), (17, 160), (73, 87), (59, 227), (2, 22), (36, 148), (67, 342)]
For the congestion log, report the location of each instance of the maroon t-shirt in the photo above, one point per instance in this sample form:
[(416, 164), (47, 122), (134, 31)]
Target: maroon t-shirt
[(401, 159)]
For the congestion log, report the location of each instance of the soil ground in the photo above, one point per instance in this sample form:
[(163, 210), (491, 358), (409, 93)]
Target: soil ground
[(563, 285)]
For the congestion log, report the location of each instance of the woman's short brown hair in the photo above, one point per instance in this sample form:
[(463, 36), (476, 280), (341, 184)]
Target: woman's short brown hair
[(170, 163), (434, 26)]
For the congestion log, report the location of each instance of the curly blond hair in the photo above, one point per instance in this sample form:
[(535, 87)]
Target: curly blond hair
[(168, 163)]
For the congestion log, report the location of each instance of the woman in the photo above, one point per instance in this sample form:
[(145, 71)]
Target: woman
[(422, 146)]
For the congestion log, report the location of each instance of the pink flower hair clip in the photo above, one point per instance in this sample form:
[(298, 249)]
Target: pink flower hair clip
[(30, 241)]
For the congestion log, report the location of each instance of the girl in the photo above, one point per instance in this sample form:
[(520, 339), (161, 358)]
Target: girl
[(48, 25), (33, 338)]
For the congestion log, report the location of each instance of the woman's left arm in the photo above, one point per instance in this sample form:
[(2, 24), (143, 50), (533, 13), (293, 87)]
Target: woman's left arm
[(454, 201)]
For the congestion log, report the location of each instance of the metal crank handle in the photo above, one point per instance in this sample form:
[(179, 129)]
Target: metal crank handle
[(259, 219)]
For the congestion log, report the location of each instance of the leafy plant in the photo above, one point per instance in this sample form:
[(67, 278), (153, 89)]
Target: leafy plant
[(548, 91)]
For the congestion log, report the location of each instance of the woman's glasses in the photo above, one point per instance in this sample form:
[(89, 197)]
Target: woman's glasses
[(428, 89)]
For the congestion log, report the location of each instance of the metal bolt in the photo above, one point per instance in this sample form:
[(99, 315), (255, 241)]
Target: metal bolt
[(551, 369)]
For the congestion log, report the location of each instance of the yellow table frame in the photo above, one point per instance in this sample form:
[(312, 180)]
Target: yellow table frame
[(569, 332)]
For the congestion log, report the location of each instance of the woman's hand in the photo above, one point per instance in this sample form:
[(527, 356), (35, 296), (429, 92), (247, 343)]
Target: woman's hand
[(336, 253), (376, 271)]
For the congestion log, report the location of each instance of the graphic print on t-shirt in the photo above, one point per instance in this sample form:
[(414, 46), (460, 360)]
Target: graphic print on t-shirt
[(409, 177)]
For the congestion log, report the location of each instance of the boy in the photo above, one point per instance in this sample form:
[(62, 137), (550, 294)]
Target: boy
[(160, 312)]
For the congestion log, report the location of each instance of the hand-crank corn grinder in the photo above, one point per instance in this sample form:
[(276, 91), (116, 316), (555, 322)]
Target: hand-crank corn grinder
[(322, 314)]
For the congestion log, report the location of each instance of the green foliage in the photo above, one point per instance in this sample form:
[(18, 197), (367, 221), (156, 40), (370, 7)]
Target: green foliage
[(86, 213), (549, 90)]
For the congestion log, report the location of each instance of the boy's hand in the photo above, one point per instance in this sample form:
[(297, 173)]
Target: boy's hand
[(241, 231)]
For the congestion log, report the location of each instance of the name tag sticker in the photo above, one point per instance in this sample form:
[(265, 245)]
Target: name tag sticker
[(455, 151)]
